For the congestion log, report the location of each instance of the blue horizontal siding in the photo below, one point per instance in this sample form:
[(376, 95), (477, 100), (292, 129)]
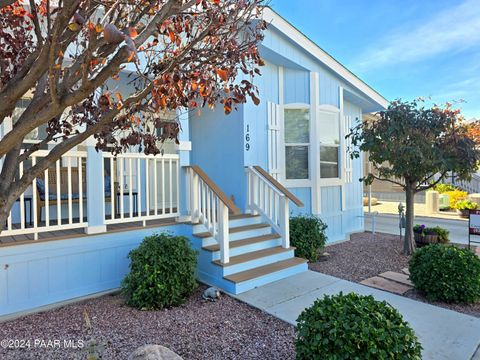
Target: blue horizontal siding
[(33, 275)]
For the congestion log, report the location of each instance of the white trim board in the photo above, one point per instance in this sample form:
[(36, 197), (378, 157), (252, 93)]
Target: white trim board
[(308, 45)]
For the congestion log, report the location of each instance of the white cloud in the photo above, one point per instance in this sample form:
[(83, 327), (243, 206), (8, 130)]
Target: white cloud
[(452, 30)]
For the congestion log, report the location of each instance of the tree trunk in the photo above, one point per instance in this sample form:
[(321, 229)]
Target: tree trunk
[(6, 201), (409, 243)]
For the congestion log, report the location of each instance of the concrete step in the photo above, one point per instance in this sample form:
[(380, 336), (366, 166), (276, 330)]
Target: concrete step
[(385, 284), (394, 276)]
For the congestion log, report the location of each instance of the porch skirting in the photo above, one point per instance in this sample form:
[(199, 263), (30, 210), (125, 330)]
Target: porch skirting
[(37, 274)]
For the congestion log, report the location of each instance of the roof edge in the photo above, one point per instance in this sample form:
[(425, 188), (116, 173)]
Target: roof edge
[(289, 30)]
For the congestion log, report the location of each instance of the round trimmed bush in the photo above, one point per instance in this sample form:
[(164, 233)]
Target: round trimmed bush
[(446, 273), (354, 326), (307, 234), (162, 272)]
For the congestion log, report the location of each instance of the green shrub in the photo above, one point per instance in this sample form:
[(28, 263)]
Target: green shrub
[(162, 272), (446, 273), (353, 326), (307, 234), (465, 205), (442, 188)]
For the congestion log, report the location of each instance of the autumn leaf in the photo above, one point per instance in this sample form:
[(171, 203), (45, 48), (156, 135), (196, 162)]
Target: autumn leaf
[(222, 73), (133, 32), (255, 99), (227, 109), (171, 35)]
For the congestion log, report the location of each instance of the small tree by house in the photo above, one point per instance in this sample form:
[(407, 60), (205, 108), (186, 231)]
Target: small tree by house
[(410, 145), (67, 54)]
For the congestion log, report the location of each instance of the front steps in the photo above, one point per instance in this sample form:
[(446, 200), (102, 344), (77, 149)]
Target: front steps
[(256, 256)]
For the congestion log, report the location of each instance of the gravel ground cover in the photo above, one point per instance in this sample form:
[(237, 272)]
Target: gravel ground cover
[(226, 329), (365, 256)]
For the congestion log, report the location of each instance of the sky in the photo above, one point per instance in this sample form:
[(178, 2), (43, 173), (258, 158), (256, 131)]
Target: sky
[(402, 48)]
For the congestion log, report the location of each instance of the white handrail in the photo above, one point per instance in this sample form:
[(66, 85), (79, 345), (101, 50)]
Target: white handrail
[(210, 207), (264, 198)]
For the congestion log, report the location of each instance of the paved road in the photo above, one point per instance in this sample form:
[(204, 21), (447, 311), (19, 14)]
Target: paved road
[(389, 224), (444, 334)]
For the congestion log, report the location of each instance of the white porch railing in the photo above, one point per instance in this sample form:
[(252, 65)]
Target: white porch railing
[(267, 196), (61, 184), (136, 188), (209, 206), (146, 187)]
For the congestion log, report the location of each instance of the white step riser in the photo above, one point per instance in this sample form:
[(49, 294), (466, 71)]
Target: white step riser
[(269, 278), (240, 235), (233, 269), (198, 228), (266, 244), (245, 221)]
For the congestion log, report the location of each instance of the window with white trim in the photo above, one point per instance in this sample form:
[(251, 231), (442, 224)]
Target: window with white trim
[(297, 143), (329, 136)]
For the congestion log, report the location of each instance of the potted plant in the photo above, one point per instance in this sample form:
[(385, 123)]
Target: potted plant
[(464, 206), (419, 234), (434, 235)]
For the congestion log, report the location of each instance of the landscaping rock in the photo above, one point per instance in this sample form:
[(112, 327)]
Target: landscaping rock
[(406, 271), (387, 285), (324, 256), (153, 352)]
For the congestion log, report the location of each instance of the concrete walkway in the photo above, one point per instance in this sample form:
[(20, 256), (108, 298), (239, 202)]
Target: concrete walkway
[(444, 334)]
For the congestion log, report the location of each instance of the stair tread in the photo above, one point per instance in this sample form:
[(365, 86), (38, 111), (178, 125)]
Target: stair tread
[(234, 260), (243, 242), (242, 216), (234, 229), (264, 270), (248, 227)]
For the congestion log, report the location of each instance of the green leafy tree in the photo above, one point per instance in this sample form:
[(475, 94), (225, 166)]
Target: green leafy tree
[(411, 146)]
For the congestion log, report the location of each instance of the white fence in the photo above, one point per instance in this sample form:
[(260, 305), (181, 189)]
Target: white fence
[(146, 187), (60, 186)]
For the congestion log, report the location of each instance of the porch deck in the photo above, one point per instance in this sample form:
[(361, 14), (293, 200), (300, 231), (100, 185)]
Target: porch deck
[(80, 232)]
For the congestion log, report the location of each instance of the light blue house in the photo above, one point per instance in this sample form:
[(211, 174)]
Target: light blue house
[(230, 186)]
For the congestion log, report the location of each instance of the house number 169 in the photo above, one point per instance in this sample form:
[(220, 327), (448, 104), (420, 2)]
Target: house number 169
[(247, 139)]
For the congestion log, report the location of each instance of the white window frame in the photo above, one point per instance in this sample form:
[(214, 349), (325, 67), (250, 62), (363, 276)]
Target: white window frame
[(296, 182), (330, 109)]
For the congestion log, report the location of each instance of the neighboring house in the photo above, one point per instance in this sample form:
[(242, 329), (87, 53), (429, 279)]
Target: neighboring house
[(229, 186)]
